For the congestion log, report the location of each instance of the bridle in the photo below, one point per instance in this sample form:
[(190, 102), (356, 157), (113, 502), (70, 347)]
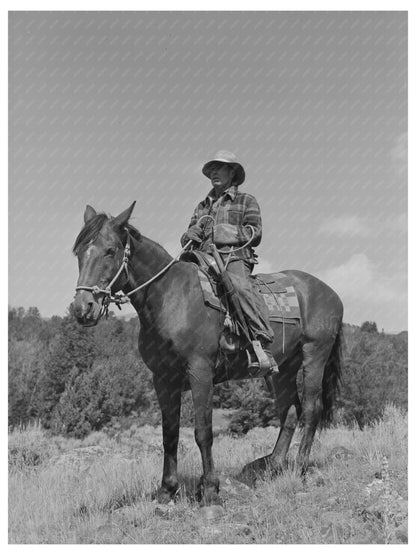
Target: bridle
[(117, 298), (120, 298)]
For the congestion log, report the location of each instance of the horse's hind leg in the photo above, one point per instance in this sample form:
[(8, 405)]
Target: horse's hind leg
[(289, 419), (315, 357), (168, 389), (289, 409)]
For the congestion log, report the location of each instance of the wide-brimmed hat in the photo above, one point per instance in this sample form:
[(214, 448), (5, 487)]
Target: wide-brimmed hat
[(227, 158)]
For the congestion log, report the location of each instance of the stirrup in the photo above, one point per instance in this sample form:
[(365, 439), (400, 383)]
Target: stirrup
[(265, 365)]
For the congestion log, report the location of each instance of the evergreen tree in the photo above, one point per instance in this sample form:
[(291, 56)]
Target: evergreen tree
[(71, 353), (375, 373), (25, 365), (369, 327)]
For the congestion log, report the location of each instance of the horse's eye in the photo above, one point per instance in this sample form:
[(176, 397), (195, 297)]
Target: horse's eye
[(110, 252)]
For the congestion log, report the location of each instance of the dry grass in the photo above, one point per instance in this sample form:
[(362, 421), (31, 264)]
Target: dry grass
[(98, 490)]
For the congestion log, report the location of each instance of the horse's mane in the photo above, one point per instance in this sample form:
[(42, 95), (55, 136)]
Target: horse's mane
[(92, 228)]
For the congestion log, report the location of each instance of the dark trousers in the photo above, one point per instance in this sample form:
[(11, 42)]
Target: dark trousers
[(251, 300)]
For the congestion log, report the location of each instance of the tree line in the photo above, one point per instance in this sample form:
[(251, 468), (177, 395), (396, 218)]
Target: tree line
[(75, 380), (71, 379)]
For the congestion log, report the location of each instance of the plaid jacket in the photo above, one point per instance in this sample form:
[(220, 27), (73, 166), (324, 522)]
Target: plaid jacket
[(233, 207)]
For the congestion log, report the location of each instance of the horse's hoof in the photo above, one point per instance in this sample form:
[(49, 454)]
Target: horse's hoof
[(164, 496), (208, 494), (260, 468), (247, 476), (209, 497)]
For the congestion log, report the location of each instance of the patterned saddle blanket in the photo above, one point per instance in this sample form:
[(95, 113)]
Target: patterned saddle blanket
[(278, 293)]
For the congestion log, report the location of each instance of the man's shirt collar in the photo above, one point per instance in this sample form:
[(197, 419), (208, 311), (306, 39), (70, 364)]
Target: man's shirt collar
[(231, 192)]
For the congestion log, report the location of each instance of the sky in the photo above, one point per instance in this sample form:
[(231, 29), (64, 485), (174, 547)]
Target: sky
[(110, 107)]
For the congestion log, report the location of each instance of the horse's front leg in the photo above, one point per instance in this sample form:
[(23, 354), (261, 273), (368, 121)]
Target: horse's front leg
[(201, 382), (168, 388)]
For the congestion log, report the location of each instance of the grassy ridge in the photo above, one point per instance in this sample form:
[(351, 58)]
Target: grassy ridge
[(97, 490)]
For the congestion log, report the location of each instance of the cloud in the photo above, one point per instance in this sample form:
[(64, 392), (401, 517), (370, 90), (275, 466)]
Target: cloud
[(368, 294), (359, 278), (358, 227), (347, 225)]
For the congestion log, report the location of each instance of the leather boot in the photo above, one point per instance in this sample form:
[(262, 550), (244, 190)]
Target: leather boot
[(266, 343), (264, 363), (274, 369)]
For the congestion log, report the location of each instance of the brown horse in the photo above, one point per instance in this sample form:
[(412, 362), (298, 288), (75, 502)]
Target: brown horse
[(179, 338)]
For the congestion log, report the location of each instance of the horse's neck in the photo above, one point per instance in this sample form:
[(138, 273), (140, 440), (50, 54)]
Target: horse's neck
[(147, 260)]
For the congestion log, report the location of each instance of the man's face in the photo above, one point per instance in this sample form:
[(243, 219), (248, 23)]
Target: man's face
[(221, 176)]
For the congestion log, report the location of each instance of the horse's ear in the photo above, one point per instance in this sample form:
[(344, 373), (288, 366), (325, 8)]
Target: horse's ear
[(124, 217), (89, 213)]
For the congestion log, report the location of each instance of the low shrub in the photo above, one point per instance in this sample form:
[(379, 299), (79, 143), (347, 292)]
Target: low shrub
[(30, 448)]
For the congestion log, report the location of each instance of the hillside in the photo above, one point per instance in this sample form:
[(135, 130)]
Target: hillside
[(85, 448), (98, 490)]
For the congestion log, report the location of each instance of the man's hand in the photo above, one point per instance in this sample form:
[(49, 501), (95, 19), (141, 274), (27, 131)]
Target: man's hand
[(195, 233)]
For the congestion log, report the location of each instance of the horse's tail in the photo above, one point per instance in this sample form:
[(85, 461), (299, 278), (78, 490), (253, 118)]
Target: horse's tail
[(332, 379)]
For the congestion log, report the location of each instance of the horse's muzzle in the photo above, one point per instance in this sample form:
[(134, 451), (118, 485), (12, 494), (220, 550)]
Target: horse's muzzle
[(86, 309)]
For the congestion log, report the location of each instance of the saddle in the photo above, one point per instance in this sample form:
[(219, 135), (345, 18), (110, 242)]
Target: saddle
[(205, 263), (279, 296), (277, 290)]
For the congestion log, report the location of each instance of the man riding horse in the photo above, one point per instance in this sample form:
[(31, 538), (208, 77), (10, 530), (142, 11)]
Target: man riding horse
[(180, 347), (228, 219)]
